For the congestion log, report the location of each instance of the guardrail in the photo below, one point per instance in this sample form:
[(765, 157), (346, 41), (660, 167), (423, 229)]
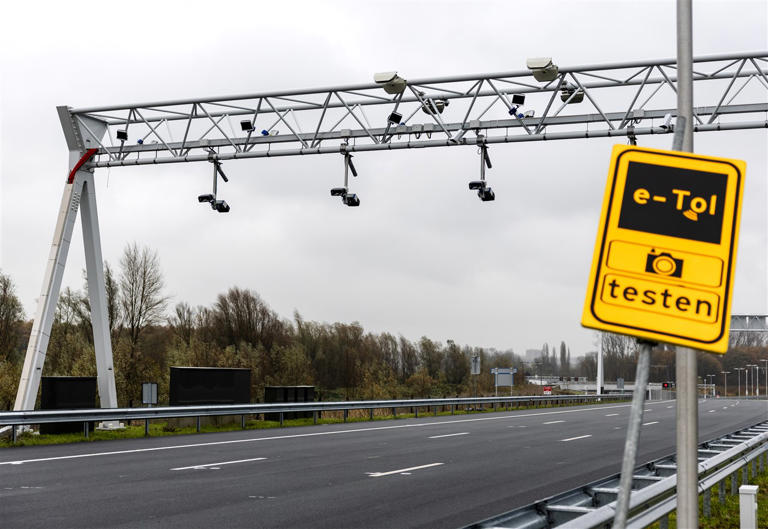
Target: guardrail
[(654, 488), (25, 418)]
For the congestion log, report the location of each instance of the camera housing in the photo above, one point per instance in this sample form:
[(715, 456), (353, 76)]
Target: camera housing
[(221, 206), (477, 184), (542, 68), (518, 99), (663, 264), (339, 192), (205, 198), (395, 118), (351, 200), (122, 135), (391, 82), (486, 194), (246, 125)]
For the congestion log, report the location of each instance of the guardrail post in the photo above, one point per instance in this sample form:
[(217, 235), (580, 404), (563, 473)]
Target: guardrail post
[(734, 483), (754, 469), (721, 492), (146, 427), (416, 414), (198, 423), (707, 503), (346, 412), (664, 522), (281, 419), (314, 417), (242, 422), (86, 427), (745, 475), (394, 412), (13, 433), (748, 507), (435, 407), (370, 413)]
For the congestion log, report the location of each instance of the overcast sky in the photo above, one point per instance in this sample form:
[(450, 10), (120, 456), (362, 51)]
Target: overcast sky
[(422, 255)]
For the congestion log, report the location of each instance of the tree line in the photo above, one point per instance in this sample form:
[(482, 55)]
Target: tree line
[(239, 329)]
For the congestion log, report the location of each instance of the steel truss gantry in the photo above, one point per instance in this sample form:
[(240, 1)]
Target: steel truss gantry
[(623, 100)]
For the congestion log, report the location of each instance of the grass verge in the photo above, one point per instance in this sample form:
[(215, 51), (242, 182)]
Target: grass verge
[(726, 515)]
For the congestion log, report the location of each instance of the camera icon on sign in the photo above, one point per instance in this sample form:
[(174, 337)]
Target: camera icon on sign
[(663, 264)]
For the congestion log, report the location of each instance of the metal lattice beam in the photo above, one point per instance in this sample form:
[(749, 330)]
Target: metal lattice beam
[(619, 99)]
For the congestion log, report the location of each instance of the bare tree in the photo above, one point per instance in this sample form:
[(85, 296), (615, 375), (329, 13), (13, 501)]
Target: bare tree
[(11, 312), (141, 291), (183, 322)]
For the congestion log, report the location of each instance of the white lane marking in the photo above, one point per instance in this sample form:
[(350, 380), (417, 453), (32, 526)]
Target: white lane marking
[(650, 423), (668, 407), (313, 434), (197, 467), (402, 470), (574, 438), (447, 435), (725, 407), (611, 414), (711, 411), (648, 409), (552, 422)]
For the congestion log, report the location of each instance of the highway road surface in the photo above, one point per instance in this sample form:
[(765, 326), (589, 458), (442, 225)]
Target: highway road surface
[(429, 472)]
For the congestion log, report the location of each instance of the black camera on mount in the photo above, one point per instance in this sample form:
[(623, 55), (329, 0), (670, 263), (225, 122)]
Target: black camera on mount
[(339, 192), (206, 198), (663, 264), (351, 200), (477, 184), (486, 194)]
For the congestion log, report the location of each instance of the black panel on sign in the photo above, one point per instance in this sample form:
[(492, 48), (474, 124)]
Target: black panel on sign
[(209, 385), (66, 393), (674, 202), (274, 394)]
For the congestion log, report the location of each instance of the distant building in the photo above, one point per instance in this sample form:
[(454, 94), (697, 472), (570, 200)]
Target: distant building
[(531, 355)]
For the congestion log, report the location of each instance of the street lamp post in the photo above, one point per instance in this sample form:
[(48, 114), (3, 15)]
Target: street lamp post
[(725, 383), (711, 385), (738, 377), (753, 378)]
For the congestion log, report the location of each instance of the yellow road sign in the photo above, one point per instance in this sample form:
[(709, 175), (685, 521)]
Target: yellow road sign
[(665, 254)]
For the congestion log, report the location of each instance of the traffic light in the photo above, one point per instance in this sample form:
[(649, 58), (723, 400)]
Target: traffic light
[(665, 385)]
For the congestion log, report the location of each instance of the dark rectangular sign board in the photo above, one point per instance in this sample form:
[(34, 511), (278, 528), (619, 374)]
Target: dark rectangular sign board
[(209, 385)]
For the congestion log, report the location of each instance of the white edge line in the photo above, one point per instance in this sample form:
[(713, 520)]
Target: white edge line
[(379, 474), (552, 422), (611, 414), (219, 464), (650, 423), (448, 435), (574, 438), (313, 434)]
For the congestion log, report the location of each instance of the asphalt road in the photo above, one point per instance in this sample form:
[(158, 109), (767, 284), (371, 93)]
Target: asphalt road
[(426, 472)]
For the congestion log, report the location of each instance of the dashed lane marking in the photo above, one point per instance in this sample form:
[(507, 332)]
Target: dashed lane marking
[(447, 435), (650, 423), (209, 465), (574, 438), (552, 422), (401, 471)]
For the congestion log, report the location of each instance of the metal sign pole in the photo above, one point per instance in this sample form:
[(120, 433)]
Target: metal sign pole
[(633, 433), (687, 404)]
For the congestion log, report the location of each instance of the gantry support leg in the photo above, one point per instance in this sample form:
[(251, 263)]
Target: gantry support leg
[(78, 193)]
